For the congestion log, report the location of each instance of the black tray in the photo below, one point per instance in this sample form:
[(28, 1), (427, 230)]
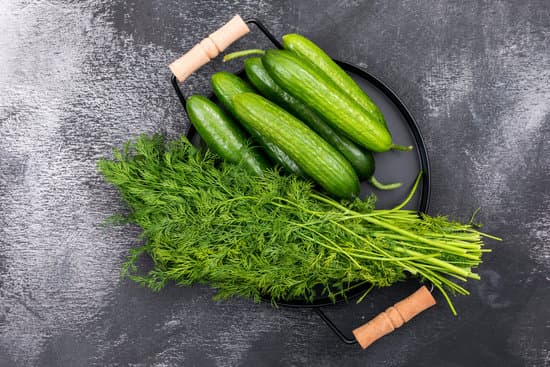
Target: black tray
[(392, 166)]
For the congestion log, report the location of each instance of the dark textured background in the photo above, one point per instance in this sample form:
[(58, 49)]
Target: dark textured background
[(79, 77)]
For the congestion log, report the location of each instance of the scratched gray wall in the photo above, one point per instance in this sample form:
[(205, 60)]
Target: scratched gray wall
[(79, 77)]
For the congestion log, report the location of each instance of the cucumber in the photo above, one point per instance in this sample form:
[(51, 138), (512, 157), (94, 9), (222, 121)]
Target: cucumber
[(222, 135), (308, 50), (319, 160), (297, 77), (225, 86), (361, 161)]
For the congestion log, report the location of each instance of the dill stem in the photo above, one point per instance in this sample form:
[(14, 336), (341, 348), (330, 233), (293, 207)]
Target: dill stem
[(414, 236), (435, 268), (483, 234), (294, 206), (440, 263), (447, 298), (332, 203), (451, 250), (365, 293), (464, 260), (333, 246), (466, 239), (411, 193), (391, 258), (370, 243)]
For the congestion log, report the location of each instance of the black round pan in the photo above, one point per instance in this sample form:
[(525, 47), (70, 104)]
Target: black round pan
[(392, 166)]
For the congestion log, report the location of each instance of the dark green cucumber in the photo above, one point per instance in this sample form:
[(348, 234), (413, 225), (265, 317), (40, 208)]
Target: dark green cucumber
[(319, 160), (259, 77), (297, 77), (222, 135), (308, 50), (225, 86), (362, 160)]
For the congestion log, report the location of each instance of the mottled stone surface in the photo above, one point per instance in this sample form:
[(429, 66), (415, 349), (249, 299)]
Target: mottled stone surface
[(79, 77)]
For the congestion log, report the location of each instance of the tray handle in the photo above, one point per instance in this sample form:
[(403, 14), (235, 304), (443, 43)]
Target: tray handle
[(394, 317), (208, 48)]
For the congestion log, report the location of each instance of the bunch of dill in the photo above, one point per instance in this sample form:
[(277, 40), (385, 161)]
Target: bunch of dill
[(205, 221)]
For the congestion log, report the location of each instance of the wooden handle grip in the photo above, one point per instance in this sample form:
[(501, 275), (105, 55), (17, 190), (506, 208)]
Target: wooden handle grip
[(209, 48), (394, 317)]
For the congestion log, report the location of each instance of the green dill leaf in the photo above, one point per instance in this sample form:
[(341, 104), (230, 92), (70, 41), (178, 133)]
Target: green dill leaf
[(205, 221)]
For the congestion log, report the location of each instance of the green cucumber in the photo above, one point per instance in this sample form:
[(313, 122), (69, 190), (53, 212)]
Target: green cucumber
[(319, 160), (308, 50), (260, 78), (222, 135), (361, 160), (225, 86), (297, 77)]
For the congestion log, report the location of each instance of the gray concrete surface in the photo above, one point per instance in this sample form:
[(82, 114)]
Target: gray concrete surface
[(79, 77)]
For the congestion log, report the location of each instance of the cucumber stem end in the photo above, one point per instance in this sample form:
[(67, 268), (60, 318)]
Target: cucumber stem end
[(380, 186), (402, 148), (243, 53)]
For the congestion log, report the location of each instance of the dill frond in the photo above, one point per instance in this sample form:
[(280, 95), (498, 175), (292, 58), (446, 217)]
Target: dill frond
[(205, 221)]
